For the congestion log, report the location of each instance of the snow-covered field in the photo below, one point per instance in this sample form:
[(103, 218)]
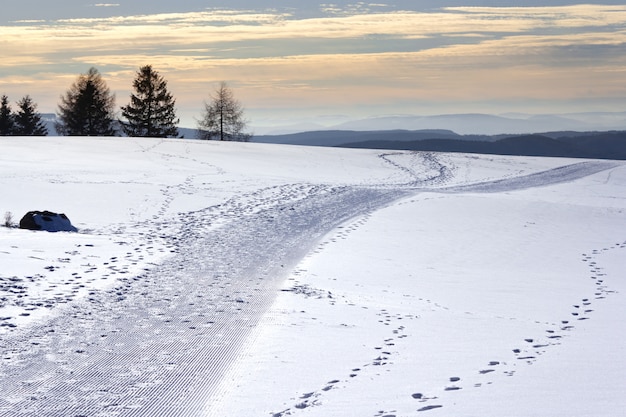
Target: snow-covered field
[(232, 279)]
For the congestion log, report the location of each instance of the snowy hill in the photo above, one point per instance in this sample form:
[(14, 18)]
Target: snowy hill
[(247, 279)]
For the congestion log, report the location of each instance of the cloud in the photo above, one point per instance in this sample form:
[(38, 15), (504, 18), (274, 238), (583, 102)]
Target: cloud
[(226, 26), (230, 17), (365, 53)]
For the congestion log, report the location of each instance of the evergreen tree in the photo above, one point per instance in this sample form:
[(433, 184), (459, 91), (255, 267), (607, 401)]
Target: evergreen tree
[(223, 117), (6, 117), (28, 120), (151, 111), (87, 108)]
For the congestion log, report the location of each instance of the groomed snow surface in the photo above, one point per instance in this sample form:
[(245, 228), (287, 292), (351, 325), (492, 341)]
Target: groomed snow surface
[(231, 279)]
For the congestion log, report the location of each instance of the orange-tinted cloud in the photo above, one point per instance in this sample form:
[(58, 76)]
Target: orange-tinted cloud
[(354, 56)]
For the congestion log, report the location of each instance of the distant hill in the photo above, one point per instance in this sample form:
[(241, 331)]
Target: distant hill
[(596, 145), (469, 123), (341, 137), (600, 145)]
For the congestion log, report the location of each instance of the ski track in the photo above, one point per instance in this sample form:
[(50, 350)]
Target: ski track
[(159, 342), (558, 175)]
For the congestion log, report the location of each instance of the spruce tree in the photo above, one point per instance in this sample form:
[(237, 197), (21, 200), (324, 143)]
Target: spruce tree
[(87, 108), (223, 117), (151, 111), (28, 120), (7, 124)]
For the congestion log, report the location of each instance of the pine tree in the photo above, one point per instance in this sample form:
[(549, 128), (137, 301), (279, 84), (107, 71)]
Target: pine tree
[(151, 111), (223, 117), (7, 124), (87, 109), (28, 120)]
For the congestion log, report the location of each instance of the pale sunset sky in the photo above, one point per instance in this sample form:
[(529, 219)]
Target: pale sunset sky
[(325, 62)]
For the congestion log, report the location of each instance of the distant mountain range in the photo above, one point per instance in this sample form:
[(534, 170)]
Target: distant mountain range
[(571, 144), (470, 124)]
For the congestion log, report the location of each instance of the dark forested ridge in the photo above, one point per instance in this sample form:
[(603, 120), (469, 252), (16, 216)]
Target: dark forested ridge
[(601, 145)]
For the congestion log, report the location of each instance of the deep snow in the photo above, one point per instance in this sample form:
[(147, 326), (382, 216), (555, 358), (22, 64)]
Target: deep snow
[(248, 279)]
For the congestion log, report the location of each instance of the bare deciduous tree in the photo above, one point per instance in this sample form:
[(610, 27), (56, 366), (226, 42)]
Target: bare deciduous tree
[(223, 117)]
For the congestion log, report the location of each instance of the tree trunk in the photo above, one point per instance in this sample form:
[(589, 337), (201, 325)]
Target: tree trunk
[(222, 123)]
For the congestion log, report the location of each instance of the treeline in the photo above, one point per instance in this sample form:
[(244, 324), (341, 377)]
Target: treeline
[(88, 109), (25, 122)]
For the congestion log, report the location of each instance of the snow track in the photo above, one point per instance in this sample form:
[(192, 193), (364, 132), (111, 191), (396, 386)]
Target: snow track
[(159, 343), (558, 175)]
